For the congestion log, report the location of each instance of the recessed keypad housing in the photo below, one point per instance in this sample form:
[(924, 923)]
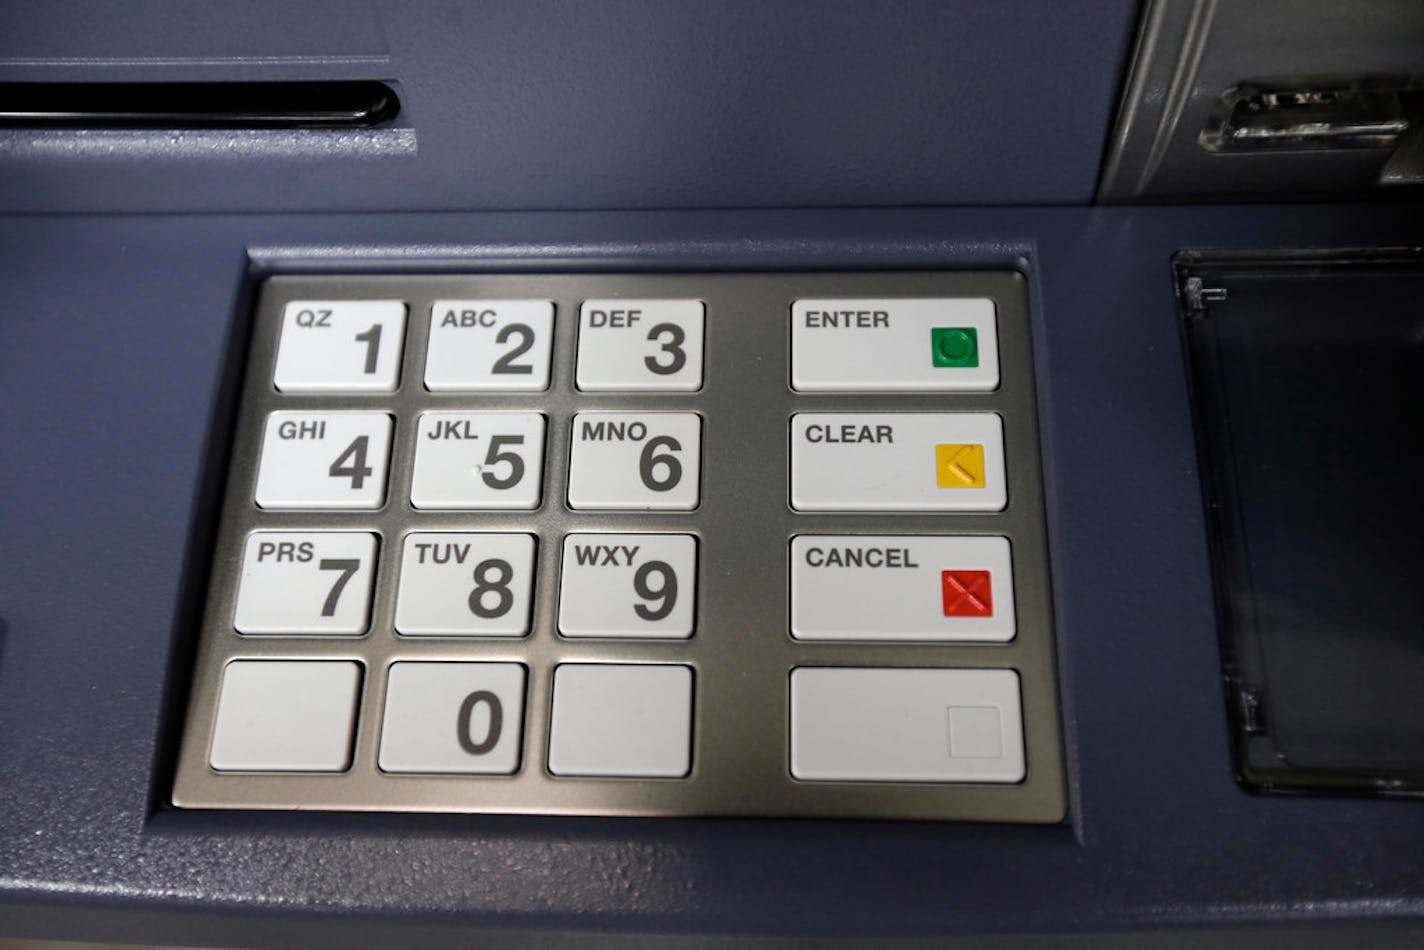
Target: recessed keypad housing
[(718, 544)]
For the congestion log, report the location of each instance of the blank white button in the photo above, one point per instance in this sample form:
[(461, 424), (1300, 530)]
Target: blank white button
[(889, 345), (897, 461), (489, 346), (462, 718), (324, 460), (340, 346), (906, 725), (628, 585), (633, 721), (636, 460), (640, 345), (306, 582), (906, 587), (455, 585), (478, 460), (285, 716)]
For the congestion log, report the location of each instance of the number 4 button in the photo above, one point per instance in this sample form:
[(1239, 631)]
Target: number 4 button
[(324, 460)]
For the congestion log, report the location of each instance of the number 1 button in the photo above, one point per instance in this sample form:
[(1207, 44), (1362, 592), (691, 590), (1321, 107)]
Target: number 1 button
[(340, 346), (324, 460), (478, 460)]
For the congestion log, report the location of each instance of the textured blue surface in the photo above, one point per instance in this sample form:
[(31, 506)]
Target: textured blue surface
[(113, 332), (562, 104)]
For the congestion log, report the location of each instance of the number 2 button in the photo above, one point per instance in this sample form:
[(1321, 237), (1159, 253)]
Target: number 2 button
[(324, 460), (636, 460), (340, 346), (456, 585), (489, 345), (306, 582), (478, 460)]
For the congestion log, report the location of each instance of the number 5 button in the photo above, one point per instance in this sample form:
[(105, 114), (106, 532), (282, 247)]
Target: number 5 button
[(640, 345), (465, 585), (636, 460), (324, 460), (478, 460), (628, 585), (306, 582)]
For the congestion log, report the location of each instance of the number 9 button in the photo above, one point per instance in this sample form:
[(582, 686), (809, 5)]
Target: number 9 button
[(628, 585)]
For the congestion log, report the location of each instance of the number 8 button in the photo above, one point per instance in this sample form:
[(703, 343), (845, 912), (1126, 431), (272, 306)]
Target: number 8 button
[(465, 584)]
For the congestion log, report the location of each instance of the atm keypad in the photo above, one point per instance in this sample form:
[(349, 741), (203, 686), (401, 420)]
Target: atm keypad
[(623, 545)]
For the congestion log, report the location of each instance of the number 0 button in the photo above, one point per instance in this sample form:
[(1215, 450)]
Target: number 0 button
[(456, 585), (636, 460), (478, 460), (324, 460), (450, 718), (306, 582)]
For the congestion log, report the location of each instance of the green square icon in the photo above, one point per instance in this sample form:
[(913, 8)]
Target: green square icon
[(954, 346)]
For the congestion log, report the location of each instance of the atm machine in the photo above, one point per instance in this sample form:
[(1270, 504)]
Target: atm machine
[(639, 473)]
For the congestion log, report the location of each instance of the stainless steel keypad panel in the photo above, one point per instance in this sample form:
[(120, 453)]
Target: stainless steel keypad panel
[(696, 544)]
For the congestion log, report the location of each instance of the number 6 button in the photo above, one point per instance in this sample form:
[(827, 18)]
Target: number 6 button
[(628, 585), (465, 585), (306, 582), (324, 460), (453, 718), (636, 460), (478, 460)]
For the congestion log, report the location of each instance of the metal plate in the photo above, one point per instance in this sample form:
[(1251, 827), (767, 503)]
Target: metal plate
[(742, 652)]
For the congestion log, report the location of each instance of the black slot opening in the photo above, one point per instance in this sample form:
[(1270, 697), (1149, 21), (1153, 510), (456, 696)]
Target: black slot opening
[(197, 105)]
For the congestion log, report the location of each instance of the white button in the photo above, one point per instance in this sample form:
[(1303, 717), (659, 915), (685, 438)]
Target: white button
[(285, 716), (340, 346), (640, 345), (636, 460), (306, 582), (324, 460), (628, 585), (906, 725), (489, 345), (478, 460), (621, 720), (889, 345), (455, 585), (464, 718), (858, 587), (897, 461)]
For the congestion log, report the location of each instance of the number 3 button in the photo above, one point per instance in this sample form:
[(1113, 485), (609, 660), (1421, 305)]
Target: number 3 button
[(478, 460), (640, 345), (454, 585), (636, 460)]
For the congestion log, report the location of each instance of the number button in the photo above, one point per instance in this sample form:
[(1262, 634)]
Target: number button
[(628, 585), (456, 585), (640, 345), (340, 346), (636, 460), (489, 345), (316, 582), (324, 460), (453, 718), (478, 460)]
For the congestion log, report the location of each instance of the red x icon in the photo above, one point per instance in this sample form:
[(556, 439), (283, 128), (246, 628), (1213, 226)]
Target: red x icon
[(967, 594)]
